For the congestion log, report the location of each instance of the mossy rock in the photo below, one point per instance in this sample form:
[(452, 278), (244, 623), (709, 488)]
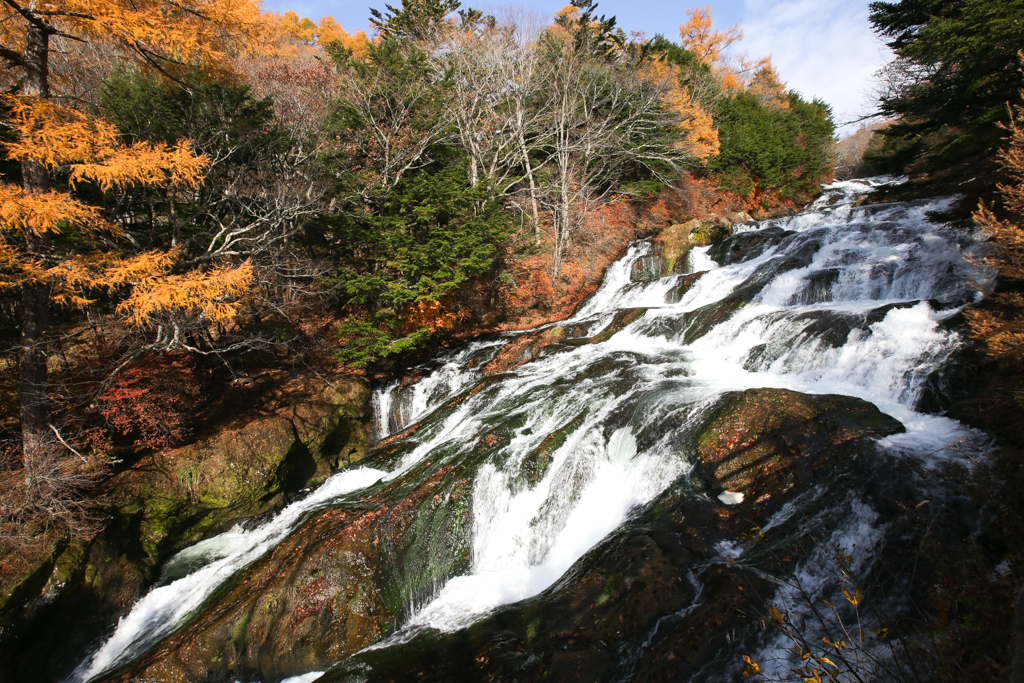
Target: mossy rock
[(238, 468), (88, 585), (710, 232), (300, 434), (329, 423), (681, 287), (26, 573), (290, 435), (311, 599), (646, 268), (673, 244), (762, 441)]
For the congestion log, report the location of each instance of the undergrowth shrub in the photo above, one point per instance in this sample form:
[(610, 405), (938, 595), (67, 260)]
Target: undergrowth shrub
[(150, 401)]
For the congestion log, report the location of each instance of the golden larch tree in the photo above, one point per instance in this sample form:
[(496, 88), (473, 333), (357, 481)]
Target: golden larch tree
[(167, 35), (699, 36), (698, 137), (330, 31), (766, 85), (289, 36)]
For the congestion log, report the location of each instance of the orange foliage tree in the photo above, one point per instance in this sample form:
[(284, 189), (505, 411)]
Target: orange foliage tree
[(330, 31), (699, 37), (697, 136), (766, 86), (291, 36), (57, 248), (999, 325), (756, 76)]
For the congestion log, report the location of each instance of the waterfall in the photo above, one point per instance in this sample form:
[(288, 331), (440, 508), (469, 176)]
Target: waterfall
[(840, 299)]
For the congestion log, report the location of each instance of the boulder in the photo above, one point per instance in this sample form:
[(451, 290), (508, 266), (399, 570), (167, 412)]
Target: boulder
[(762, 442), (672, 246)]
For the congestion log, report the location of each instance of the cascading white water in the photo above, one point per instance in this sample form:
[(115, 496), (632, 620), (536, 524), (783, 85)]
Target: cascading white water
[(395, 406), (885, 363), (848, 300)]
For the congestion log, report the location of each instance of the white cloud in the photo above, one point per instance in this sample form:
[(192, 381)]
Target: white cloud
[(821, 48)]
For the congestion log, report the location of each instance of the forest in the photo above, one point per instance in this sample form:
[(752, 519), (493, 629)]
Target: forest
[(196, 195)]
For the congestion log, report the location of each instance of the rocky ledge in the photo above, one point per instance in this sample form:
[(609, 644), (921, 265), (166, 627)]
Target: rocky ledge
[(284, 435)]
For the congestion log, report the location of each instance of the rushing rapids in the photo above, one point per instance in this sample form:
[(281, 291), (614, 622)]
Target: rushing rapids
[(513, 474)]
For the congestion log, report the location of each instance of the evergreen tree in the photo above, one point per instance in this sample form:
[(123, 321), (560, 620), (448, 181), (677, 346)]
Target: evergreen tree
[(249, 151), (423, 240), (411, 228), (957, 67), (414, 20), (770, 150)]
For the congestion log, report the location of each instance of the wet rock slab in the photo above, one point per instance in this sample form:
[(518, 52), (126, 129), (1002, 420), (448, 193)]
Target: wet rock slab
[(763, 441)]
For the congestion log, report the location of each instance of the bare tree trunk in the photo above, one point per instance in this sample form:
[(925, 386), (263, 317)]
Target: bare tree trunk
[(562, 226), (529, 175), (32, 375)]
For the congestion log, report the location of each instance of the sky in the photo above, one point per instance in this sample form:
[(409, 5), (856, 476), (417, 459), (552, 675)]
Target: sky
[(821, 48)]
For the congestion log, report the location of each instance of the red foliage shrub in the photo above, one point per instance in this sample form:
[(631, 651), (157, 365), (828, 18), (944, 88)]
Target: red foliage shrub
[(703, 196), (150, 400)]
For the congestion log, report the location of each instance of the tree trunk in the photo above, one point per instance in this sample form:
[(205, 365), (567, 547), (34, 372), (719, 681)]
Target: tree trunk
[(562, 234), (32, 375), (32, 372), (529, 173)]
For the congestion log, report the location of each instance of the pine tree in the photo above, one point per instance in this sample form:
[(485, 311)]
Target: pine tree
[(957, 68)]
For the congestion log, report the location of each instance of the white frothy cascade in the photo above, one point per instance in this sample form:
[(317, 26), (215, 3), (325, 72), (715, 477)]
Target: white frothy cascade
[(849, 300)]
